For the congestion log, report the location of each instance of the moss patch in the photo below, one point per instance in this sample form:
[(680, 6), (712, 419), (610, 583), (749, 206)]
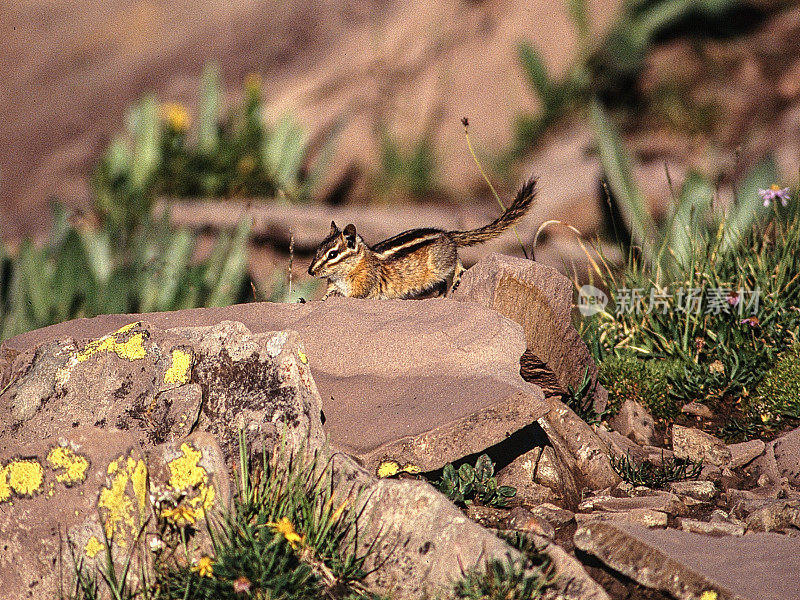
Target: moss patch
[(648, 382), (778, 394)]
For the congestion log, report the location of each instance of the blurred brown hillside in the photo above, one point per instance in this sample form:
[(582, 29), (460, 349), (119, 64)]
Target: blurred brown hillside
[(69, 70)]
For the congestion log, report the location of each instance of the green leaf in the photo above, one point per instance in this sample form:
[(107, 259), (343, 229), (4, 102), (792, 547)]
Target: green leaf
[(234, 269), (98, 251), (147, 141), (72, 278), (118, 158), (208, 108), (617, 166), (688, 232), (484, 468), (466, 473), (507, 491), (175, 262), (536, 71), (579, 12), (35, 281), (284, 150)]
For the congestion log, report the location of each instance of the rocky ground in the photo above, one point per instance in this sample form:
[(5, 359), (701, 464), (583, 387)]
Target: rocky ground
[(98, 413)]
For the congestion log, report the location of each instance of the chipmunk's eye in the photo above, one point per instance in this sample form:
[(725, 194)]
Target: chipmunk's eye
[(332, 254)]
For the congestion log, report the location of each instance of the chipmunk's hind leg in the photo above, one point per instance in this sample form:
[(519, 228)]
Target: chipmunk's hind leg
[(457, 272)]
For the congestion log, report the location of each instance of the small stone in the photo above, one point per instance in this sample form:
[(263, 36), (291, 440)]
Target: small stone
[(743, 453), (664, 502), (547, 470), (705, 491), (522, 519), (775, 516), (640, 516), (634, 422), (487, 516), (558, 517), (696, 445), (710, 528), (697, 409), (720, 516), (657, 455)]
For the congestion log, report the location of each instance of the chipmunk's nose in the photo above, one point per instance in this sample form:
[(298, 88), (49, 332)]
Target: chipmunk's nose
[(311, 269)]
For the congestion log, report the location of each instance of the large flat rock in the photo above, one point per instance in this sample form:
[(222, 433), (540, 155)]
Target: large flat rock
[(761, 566), (424, 382)]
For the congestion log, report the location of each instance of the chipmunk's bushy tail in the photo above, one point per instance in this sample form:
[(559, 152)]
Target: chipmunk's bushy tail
[(513, 213)]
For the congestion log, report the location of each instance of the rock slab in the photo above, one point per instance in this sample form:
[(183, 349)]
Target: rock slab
[(423, 382), (762, 566)]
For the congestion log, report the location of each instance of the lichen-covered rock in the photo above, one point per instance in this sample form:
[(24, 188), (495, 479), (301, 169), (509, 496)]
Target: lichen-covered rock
[(634, 422), (696, 445), (420, 542), (424, 382), (74, 494), (165, 383), (226, 378)]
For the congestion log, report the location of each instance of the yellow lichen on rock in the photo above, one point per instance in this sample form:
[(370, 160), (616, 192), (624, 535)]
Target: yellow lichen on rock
[(390, 468), (116, 504), (74, 465), (21, 478), (93, 546), (185, 471), (130, 349), (180, 370), (139, 481), (186, 475)]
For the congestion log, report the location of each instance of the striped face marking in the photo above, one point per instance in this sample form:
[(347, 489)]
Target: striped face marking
[(337, 247)]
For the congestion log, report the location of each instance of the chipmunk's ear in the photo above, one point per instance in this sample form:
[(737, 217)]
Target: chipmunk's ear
[(334, 228), (349, 234)]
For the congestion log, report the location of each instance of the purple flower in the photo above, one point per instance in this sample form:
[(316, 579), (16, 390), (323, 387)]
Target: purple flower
[(753, 322), (773, 194)]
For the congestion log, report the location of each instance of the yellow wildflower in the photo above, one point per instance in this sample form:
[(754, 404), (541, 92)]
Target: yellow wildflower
[(181, 515), (708, 595), (176, 115), (246, 165), (204, 566), (285, 528), (252, 83)]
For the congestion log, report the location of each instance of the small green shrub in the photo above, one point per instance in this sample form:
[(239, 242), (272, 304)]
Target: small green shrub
[(652, 475), (233, 155), (502, 580), (89, 271), (581, 400), (468, 484), (778, 394), (648, 382), (288, 536), (411, 171)]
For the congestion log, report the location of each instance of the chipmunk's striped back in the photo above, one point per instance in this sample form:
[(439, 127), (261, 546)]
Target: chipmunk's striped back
[(411, 264)]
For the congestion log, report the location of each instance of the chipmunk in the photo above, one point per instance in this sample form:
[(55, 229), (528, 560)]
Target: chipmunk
[(412, 264)]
